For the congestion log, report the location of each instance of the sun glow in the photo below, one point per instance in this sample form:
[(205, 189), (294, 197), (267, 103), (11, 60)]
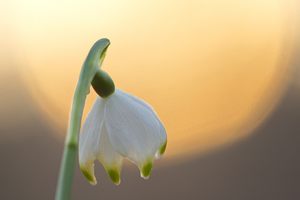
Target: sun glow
[(212, 69)]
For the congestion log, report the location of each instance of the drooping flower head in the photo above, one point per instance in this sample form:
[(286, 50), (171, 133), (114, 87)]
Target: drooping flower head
[(119, 126)]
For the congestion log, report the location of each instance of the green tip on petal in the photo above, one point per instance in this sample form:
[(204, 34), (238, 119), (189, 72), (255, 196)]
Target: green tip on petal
[(146, 170), (89, 176), (114, 175), (163, 148)]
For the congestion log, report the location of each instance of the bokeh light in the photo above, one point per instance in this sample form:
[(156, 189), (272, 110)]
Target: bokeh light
[(213, 70)]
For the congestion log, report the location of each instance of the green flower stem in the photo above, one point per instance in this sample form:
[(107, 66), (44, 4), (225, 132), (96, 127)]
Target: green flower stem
[(91, 65)]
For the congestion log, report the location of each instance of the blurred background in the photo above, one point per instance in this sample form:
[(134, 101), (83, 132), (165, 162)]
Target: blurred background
[(223, 75)]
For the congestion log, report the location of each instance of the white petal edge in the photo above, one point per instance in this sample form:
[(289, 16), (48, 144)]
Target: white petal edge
[(109, 158), (90, 138)]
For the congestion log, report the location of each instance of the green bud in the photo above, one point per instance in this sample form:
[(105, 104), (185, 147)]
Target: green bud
[(103, 84)]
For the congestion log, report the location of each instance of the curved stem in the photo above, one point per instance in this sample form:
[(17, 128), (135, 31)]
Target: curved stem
[(88, 71)]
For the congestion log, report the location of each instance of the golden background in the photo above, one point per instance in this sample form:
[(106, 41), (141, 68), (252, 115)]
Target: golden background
[(215, 72), (212, 70)]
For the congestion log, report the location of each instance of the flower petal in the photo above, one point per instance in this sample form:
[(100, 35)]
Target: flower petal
[(134, 129), (163, 134), (90, 138), (110, 159)]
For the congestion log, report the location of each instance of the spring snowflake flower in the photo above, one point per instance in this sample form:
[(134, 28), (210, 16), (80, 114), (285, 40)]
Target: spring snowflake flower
[(120, 126)]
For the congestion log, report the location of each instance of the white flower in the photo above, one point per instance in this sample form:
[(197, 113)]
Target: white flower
[(120, 126)]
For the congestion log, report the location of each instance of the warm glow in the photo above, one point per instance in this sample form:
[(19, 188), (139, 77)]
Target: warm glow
[(212, 69)]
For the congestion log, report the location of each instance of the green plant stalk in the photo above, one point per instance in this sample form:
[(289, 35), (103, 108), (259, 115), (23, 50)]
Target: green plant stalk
[(92, 63)]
